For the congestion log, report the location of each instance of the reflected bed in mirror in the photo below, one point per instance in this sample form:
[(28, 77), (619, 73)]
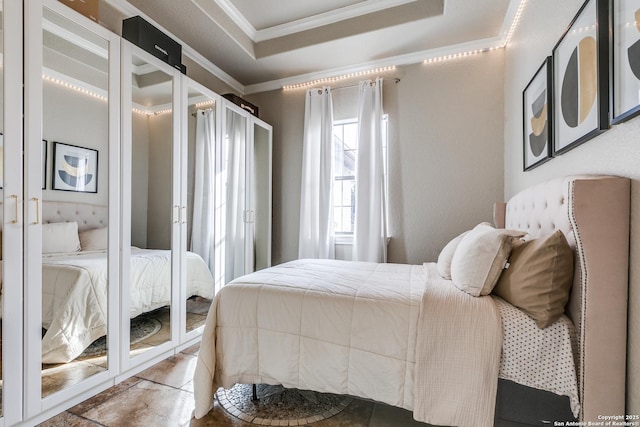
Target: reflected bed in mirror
[(74, 308)]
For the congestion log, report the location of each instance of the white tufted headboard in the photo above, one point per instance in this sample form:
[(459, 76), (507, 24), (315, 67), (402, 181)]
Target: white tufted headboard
[(593, 213), (87, 216)]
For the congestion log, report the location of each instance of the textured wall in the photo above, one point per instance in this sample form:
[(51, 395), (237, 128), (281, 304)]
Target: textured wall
[(445, 155), (615, 152)]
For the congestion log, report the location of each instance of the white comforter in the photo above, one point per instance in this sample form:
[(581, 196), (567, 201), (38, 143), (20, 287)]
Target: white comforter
[(74, 295), (346, 328)]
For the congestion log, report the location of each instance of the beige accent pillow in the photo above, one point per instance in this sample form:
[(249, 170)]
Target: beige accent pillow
[(60, 237), (539, 277), (446, 256), (96, 239), (480, 257)]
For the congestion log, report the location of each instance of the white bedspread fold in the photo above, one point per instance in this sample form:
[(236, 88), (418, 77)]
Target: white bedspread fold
[(457, 356)]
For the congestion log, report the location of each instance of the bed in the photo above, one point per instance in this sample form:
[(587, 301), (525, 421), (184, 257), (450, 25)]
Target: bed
[(403, 335), (75, 280)]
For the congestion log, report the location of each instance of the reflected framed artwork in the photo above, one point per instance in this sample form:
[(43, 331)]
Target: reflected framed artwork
[(626, 60), (537, 120), (74, 168), (581, 78)]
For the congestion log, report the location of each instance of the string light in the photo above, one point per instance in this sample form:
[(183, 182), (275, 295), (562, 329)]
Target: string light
[(460, 55), (515, 22), (204, 103), (338, 78), (74, 87)]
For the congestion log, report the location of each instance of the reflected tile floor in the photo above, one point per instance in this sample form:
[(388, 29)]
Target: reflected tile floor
[(163, 396)]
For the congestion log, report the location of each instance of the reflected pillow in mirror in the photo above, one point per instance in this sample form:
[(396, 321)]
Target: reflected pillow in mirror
[(96, 239), (60, 237)]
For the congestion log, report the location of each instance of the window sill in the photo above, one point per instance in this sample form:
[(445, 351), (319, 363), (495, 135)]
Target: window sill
[(348, 240), (343, 239)]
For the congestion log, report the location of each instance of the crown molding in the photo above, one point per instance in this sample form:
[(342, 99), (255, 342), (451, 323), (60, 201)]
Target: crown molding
[(236, 16), (326, 18)]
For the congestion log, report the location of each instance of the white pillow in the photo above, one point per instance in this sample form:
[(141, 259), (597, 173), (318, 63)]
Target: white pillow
[(96, 239), (59, 237), (480, 258), (446, 256)]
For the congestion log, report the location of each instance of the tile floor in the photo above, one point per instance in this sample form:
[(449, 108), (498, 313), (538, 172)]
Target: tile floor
[(163, 396)]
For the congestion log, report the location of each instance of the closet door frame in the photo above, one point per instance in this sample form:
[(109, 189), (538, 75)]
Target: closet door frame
[(189, 338), (35, 407), (250, 201), (128, 365), (12, 296)]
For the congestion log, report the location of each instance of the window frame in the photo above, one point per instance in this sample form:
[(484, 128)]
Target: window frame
[(346, 237)]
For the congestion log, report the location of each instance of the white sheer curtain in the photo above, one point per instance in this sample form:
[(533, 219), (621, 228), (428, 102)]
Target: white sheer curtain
[(316, 203), (235, 194), (370, 231), (202, 231)]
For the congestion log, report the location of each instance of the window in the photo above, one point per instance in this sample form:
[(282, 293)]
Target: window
[(345, 138)]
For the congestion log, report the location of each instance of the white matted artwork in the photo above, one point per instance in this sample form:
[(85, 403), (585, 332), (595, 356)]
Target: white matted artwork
[(580, 78), (626, 59), (74, 168), (536, 106)]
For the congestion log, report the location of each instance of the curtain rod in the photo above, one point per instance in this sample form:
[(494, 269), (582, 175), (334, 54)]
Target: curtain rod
[(395, 80)]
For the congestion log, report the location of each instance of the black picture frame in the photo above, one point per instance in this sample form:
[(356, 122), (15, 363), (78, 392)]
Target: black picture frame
[(537, 115), (625, 60), (74, 168), (581, 78)]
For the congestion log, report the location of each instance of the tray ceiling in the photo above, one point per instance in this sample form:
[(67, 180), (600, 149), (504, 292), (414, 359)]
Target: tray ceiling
[(265, 43)]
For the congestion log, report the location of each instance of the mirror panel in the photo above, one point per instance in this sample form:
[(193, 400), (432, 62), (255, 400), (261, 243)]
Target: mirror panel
[(74, 206), (230, 198), (152, 211), (2, 169), (261, 196), (200, 169)]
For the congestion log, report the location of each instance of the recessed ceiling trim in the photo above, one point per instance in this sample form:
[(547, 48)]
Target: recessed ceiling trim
[(74, 39), (130, 10), (237, 17), (326, 18), (408, 59)]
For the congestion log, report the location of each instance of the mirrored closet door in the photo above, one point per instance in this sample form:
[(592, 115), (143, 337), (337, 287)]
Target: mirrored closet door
[(151, 130), (231, 199), (11, 244), (70, 204), (201, 132), (259, 200)]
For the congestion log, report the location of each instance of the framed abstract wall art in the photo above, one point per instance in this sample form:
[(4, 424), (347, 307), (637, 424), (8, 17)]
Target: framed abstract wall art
[(537, 124), (74, 168), (626, 60), (581, 78)]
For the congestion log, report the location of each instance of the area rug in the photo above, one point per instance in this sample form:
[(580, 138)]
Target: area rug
[(141, 328), (280, 406)]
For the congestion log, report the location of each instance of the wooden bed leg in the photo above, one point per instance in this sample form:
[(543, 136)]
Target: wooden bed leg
[(255, 393)]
